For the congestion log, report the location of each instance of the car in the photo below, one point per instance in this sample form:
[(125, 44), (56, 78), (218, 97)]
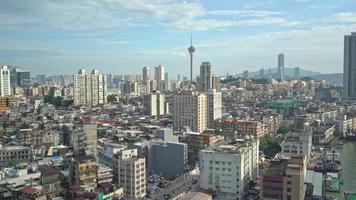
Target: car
[(167, 196)]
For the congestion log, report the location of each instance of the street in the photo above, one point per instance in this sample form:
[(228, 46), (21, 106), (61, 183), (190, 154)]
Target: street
[(177, 187)]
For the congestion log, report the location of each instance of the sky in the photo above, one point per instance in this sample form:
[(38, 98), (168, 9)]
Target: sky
[(121, 36)]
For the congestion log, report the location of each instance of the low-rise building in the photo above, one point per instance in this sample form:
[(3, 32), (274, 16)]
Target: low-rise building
[(15, 153), (240, 128), (83, 172), (284, 179)]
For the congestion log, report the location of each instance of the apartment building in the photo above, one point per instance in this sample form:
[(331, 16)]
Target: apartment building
[(227, 169), (284, 179), (190, 109), (240, 128), (89, 89), (130, 173)]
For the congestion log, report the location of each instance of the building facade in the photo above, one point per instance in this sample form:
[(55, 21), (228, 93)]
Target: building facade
[(160, 159), (283, 179), (228, 169), (89, 89), (281, 66), (350, 66), (205, 76), (154, 104), (5, 86), (190, 109), (214, 107), (130, 173)]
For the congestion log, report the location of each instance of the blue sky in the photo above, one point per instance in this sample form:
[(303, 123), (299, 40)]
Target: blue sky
[(122, 36)]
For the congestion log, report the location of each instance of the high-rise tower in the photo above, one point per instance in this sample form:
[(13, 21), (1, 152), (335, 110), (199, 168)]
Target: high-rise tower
[(350, 66), (281, 66), (191, 50)]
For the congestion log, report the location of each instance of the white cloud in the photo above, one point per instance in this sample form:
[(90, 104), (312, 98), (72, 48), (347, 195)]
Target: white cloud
[(244, 13), (115, 14), (344, 17)]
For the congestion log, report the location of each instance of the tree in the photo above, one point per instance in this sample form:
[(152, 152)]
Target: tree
[(283, 130), (112, 98), (124, 100), (57, 101), (269, 146), (261, 81), (306, 78)]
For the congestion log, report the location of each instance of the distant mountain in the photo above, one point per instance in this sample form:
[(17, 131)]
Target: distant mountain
[(288, 72), (336, 79)]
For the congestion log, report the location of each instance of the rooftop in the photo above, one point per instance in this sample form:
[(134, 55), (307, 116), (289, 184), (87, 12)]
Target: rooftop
[(48, 170)]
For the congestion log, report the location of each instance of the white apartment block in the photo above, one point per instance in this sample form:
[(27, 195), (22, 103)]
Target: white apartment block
[(298, 143), (5, 89), (227, 169), (130, 173), (89, 89), (214, 107), (190, 109), (155, 104)]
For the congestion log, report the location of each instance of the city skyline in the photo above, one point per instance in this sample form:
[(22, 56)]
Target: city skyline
[(121, 37)]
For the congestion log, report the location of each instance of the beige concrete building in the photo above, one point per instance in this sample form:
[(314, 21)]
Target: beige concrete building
[(130, 173), (190, 109), (284, 179)]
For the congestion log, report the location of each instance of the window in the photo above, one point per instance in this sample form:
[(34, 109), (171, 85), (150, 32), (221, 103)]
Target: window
[(289, 189)]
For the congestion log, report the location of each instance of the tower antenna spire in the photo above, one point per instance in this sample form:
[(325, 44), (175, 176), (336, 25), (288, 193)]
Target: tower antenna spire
[(191, 50)]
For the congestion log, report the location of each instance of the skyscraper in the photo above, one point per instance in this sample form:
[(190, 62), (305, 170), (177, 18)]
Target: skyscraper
[(215, 83), (89, 90), (191, 50), (159, 77), (245, 74), (205, 76), (166, 81), (281, 66), (190, 109), (214, 107), (146, 74), (5, 81), (350, 66), (262, 73), (109, 80), (296, 73)]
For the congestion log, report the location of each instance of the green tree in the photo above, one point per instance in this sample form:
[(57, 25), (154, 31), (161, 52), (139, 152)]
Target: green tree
[(57, 101), (124, 100), (112, 98), (283, 130), (269, 146)]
